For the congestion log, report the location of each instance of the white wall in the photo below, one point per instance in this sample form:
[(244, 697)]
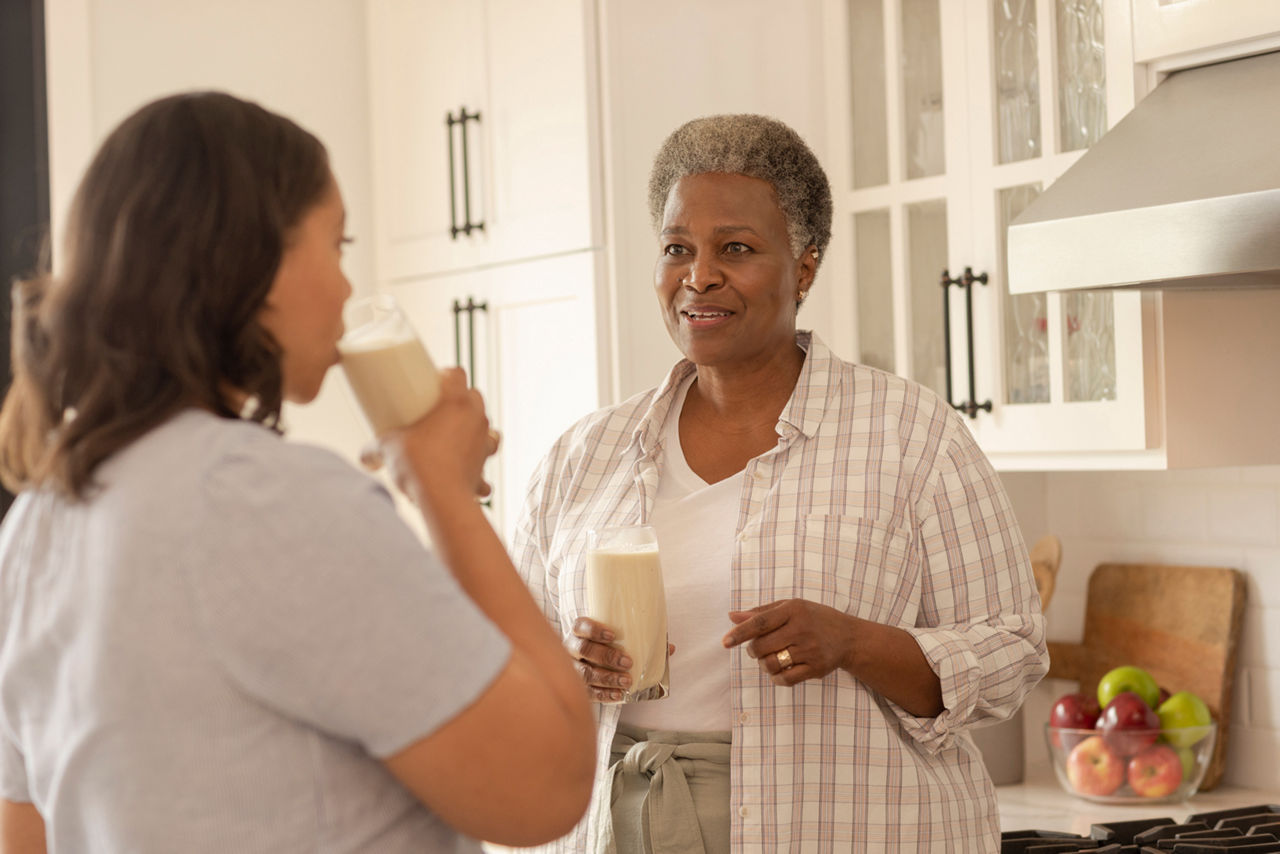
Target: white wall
[(303, 58), (1207, 517), (668, 61)]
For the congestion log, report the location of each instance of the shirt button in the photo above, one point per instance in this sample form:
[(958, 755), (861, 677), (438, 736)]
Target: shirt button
[(743, 718), (743, 811), (757, 475)]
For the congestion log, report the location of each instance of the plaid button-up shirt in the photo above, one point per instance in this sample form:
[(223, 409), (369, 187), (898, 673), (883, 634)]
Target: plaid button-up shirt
[(878, 502)]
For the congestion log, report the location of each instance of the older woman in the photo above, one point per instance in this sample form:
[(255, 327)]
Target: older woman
[(847, 588)]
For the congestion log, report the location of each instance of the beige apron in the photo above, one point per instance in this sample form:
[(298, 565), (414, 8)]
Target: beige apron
[(667, 793)]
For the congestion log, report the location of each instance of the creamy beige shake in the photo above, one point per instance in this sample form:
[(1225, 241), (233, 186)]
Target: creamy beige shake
[(625, 592), (390, 372)]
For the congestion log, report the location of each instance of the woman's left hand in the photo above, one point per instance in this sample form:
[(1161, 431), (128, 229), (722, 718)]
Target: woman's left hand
[(794, 639)]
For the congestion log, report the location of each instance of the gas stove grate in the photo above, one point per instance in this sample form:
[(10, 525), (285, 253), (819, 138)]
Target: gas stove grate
[(1244, 829)]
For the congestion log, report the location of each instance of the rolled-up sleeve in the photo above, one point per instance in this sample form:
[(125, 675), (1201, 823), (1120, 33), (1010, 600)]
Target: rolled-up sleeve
[(980, 625)]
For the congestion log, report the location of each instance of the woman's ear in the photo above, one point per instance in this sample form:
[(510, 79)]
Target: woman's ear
[(808, 268)]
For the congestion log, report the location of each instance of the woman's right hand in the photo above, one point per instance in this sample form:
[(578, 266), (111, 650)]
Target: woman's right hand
[(602, 665)]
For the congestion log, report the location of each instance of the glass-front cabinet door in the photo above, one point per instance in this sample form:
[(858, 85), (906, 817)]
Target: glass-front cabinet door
[(903, 184), (960, 112), (1064, 371)]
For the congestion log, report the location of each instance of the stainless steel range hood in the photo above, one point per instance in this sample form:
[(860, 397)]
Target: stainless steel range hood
[(1183, 193)]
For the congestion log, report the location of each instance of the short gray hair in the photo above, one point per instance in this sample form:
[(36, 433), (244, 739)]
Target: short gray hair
[(758, 147)]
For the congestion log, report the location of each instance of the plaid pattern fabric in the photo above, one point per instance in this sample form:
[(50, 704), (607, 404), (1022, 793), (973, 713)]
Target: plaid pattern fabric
[(878, 502)]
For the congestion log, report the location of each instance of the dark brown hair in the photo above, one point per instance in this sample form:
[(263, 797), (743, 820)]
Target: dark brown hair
[(173, 241)]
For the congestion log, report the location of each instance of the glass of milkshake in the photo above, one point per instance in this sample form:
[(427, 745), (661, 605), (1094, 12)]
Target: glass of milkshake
[(386, 364), (625, 593)]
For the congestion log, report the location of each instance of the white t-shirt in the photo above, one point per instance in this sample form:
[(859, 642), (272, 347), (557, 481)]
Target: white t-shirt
[(211, 653), (695, 523)]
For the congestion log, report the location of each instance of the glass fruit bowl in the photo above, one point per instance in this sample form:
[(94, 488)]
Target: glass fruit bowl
[(1131, 766)]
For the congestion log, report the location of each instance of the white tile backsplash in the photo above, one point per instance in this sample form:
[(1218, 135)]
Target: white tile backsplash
[(1243, 514), (1260, 637), (1264, 695), (1177, 514), (1201, 517)]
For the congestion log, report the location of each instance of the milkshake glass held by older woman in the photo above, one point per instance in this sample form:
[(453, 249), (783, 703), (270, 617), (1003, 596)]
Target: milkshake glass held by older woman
[(216, 640), (847, 589)]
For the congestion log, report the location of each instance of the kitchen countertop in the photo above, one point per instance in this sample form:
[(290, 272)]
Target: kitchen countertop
[(1039, 803)]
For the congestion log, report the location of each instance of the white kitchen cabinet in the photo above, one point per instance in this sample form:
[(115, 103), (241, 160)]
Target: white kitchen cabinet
[(481, 142), (1163, 30), (958, 114), (526, 335)]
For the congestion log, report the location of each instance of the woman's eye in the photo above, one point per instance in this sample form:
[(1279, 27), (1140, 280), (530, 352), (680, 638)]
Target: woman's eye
[(674, 249), (736, 248)]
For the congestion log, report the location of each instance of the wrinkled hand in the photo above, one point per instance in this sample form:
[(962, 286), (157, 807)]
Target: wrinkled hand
[(813, 639), (450, 443), (602, 664)]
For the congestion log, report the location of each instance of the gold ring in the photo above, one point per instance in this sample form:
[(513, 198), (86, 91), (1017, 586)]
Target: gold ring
[(784, 658)]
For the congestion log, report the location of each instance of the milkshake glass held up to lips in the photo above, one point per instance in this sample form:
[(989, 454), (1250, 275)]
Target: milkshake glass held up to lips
[(625, 592), (386, 364)]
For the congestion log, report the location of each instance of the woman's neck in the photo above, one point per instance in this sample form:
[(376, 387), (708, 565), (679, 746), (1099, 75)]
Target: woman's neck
[(745, 396)]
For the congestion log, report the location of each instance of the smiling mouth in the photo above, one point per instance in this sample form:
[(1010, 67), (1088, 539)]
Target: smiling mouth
[(704, 315)]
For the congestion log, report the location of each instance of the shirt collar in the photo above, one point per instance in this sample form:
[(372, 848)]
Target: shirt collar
[(815, 389)]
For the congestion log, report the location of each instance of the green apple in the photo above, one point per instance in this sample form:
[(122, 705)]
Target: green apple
[(1186, 712), (1128, 678)]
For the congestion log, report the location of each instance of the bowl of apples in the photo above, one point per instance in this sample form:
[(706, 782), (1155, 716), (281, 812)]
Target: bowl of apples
[(1132, 743)]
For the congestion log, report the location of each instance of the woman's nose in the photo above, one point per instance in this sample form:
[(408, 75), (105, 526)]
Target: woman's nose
[(702, 274)]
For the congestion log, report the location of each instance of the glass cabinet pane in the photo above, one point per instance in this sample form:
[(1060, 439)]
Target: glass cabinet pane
[(926, 258), (1082, 73), (1090, 337), (1026, 318), (874, 272), (867, 93), (1017, 80), (923, 131)]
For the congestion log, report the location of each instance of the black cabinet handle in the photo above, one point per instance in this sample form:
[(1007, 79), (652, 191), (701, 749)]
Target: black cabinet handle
[(460, 121), (469, 308), (472, 307), (971, 406)]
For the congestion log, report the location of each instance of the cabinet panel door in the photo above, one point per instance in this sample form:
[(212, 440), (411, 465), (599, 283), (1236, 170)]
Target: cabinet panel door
[(529, 346), (523, 170), (538, 181), (426, 60), (541, 356)]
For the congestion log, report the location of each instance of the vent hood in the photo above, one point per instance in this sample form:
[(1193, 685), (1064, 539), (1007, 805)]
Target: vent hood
[(1183, 193)]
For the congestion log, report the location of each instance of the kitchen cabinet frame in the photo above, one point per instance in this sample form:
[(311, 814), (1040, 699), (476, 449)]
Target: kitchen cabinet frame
[(1054, 434)]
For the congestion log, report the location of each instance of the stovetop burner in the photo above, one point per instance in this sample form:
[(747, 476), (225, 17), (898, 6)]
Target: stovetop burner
[(1244, 829)]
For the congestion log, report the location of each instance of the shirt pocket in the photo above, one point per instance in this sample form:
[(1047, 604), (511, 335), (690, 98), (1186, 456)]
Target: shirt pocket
[(855, 565)]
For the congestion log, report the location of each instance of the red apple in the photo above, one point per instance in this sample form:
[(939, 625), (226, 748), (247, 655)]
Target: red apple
[(1093, 768), (1155, 772), (1128, 724), (1073, 711)]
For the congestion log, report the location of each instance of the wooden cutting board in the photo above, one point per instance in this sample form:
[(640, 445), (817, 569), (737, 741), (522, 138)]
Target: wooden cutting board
[(1179, 623)]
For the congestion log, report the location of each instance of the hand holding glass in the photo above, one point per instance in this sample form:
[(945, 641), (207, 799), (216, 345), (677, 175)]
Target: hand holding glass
[(626, 593)]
